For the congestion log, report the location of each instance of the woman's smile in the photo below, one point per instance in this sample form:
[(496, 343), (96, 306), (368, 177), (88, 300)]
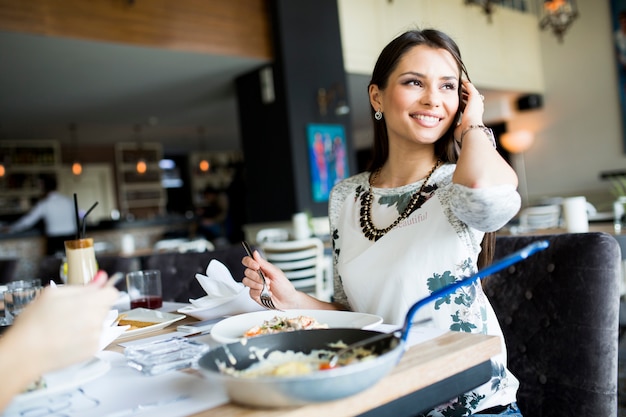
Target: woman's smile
[(421, 98), (426, 120)]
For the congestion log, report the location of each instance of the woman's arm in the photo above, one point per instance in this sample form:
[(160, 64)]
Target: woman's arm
[(284, 294), (479, 164)]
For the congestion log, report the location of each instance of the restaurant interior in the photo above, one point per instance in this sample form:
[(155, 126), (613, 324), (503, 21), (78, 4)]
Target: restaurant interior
[(155, 111)]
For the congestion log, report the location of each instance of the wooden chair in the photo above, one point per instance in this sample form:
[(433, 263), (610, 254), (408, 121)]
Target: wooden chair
[(303, 262), (559, 314)]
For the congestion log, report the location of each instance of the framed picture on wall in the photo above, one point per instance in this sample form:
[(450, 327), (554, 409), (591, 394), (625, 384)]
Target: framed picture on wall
[(328, 160), (618, 21)]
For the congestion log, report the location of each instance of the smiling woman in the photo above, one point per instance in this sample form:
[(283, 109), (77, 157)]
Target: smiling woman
[(413, 223)]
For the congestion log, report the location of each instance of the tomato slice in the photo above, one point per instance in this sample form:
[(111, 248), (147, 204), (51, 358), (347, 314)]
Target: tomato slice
[(325, 366)]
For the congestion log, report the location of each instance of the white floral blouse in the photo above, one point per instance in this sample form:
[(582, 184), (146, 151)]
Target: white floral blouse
[(437, 244)]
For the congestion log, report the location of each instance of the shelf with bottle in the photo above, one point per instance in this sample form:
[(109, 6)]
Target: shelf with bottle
[(139, 178), (29, 155), (217, 173), (24, 161)]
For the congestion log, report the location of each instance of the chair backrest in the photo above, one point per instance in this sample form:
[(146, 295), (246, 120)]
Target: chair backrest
[(197, 245), (272, 235), (559, 314), (8, 268), (303, 263)]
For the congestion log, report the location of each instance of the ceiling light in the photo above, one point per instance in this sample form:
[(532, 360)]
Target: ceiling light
[(558, 15), (77, 168), (487, 6), (204, 165), (141, 166)]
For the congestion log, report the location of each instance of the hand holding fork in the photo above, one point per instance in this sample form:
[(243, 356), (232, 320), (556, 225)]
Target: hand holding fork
[(266, 298)]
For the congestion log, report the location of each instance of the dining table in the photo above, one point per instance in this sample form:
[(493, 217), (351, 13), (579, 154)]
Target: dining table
[(435, 369)]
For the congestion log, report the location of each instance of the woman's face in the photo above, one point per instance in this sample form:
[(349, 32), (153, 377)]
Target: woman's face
[(421, 98)]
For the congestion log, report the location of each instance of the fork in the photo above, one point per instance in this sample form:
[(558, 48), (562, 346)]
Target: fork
[(266, 298)]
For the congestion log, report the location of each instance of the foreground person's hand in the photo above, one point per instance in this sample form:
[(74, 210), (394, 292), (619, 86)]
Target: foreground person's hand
[(61, 327)]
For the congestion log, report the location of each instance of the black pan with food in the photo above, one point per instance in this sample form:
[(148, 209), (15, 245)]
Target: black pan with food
[(283, 391)]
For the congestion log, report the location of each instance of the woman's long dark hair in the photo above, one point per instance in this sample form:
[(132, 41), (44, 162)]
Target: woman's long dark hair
[(445, 148)]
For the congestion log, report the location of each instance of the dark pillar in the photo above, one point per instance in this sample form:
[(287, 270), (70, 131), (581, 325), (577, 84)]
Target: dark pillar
[(278, 102)]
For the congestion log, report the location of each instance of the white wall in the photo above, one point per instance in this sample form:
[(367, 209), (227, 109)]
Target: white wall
[(578, 130)]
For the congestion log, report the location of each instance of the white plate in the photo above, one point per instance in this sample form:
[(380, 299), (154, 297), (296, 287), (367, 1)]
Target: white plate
[(67, 379), (232, 329), (160, 318)]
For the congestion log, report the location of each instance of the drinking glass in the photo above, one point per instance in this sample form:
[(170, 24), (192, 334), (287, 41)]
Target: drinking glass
[(144, 289), (16, 299), (81, 261), (24, 283), (4, 320)]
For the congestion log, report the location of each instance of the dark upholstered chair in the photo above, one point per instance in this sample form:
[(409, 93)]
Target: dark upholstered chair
[(178, 270), (559, 314), (8, 268), (48, 268), (112, 264)]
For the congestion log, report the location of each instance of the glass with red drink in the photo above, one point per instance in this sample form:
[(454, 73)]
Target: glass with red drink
[(144, 289)]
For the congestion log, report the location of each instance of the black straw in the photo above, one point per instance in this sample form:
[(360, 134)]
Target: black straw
[(85, 218), (77, 217)]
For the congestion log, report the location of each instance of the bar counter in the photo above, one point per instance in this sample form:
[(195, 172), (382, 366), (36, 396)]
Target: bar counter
[(29, 246)]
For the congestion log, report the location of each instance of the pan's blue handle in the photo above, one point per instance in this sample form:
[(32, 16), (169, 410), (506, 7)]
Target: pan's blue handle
[(488, 270)]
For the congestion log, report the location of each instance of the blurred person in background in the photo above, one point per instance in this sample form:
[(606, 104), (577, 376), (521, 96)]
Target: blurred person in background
[(212, 215), (57, 212)]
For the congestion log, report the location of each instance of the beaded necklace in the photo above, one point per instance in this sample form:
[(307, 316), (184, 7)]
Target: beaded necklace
[(367, 225)]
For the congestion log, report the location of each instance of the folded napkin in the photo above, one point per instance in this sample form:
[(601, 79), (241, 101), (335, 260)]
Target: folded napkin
[(225, 296), (110, 332)]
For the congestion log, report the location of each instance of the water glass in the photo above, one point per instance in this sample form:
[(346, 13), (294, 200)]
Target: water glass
[(4, 321), (24, 283), (16, 299), (144, 289)]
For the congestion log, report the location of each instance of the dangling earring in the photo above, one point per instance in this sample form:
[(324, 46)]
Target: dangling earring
[(378, 115)]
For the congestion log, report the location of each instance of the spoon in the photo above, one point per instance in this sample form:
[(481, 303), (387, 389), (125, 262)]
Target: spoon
[(403, 332)]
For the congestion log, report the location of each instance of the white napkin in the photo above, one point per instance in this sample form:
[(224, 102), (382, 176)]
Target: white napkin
[(109, 332), (218, 284), (225, 296)]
